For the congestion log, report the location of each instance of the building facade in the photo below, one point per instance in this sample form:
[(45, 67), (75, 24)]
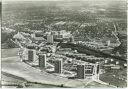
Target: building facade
[(88, 71), (31, 55), (42, 61), (81, 71), (50, 38), (58, 66)]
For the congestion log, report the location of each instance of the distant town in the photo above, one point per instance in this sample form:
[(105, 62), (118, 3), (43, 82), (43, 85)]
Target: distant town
[(64, 56)]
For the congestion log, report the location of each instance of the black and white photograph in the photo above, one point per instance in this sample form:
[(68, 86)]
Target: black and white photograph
[(63, 43)]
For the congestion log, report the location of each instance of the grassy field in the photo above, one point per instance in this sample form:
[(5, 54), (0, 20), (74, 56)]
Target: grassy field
[(9, 52), (11, 80), (95, 84), (108, 78)]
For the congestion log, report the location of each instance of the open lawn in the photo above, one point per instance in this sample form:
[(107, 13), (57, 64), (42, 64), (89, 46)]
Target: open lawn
[(95, 84), (9, 52), (109, 78)]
